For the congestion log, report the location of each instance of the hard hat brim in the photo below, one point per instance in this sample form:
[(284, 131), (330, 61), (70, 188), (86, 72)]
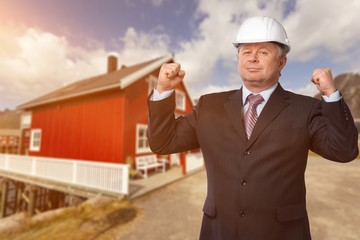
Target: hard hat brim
[(285, 46)]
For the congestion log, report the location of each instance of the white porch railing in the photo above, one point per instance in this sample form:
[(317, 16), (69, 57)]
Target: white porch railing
[(103, 176)]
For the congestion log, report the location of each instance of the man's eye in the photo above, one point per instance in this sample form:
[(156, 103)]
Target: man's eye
[(263, 53)]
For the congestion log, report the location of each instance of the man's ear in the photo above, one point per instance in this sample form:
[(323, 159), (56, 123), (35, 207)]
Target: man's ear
[(282, 62)]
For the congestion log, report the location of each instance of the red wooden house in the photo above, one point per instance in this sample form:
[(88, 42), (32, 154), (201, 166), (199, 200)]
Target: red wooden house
[(102, 118)]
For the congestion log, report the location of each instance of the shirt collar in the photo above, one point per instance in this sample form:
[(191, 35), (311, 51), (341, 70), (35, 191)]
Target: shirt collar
[(265, 94)]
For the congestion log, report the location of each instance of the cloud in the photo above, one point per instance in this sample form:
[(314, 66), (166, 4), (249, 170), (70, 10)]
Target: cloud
[(309, 90), (140, 46), (316, 30), (321, 26), (37, 62), (211, 44), (157, 3)]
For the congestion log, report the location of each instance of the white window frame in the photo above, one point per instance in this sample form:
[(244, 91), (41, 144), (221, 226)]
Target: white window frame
[(142, 143), (152, 83), (180, 99), (35, 140)]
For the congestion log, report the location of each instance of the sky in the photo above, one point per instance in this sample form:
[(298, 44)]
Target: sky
[(46, 44)]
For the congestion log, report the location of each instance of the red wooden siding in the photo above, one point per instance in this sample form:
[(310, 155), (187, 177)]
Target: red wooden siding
[(89, 128), (136, 112)]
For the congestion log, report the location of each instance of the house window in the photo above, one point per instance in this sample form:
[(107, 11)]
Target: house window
[(180, 100), (35, 140), (152, 82), (142, 143), (25, 120)]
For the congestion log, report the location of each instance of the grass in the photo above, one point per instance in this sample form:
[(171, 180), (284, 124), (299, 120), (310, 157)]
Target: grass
[(87, 221)]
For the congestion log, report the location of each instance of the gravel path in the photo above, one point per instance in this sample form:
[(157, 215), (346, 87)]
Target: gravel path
[(174, 212)]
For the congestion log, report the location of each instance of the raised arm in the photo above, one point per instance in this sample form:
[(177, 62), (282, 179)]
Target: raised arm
[(165, 133), (337, 138)]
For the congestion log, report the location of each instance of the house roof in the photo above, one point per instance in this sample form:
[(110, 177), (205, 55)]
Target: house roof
[(121, 78)]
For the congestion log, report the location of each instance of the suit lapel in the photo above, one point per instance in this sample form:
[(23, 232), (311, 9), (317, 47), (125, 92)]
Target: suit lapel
[(234, 110), (276, 103)]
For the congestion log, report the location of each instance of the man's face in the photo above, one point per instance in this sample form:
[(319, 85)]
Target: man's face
[(260, 65)]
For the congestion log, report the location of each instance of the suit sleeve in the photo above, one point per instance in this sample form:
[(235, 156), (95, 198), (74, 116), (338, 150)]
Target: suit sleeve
[(333, 132), (168, 134)]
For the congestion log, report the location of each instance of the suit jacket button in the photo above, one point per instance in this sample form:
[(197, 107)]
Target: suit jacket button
[(247, 152), (242, 214), (243, 182)]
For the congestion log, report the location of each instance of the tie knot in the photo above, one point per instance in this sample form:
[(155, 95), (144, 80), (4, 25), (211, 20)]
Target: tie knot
[(255, 99)]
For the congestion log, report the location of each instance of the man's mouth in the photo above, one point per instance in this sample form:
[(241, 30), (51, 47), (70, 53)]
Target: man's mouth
[(251, 69)]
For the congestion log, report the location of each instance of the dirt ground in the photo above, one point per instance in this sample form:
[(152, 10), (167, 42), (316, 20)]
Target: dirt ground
[(174, 212)]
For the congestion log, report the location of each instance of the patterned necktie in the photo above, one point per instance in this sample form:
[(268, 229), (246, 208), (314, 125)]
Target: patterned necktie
[(251, 116)]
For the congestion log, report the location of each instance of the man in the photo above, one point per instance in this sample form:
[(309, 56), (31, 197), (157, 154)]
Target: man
[(255, 151)]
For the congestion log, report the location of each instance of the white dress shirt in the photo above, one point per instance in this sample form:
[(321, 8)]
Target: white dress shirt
[(334, 97)]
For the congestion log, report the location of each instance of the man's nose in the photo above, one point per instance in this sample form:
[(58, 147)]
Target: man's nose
[(253, 58)]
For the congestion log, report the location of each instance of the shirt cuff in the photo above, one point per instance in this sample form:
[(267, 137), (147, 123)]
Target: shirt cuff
[(334, 97), (160, 96)]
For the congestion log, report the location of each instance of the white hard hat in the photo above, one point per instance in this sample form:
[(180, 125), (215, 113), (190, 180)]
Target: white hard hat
[(262, 29)]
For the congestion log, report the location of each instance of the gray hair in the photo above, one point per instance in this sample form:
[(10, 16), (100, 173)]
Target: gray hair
[(282, 49)]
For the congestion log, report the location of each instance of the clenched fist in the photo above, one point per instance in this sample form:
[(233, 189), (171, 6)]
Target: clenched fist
[(169, 76), (323, 79)]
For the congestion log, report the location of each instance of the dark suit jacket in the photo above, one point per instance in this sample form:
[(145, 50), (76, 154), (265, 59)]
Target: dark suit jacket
[(256, 187)]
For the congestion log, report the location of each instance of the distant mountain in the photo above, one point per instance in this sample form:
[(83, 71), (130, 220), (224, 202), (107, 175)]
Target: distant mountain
[(10, 119), (349, 86)]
